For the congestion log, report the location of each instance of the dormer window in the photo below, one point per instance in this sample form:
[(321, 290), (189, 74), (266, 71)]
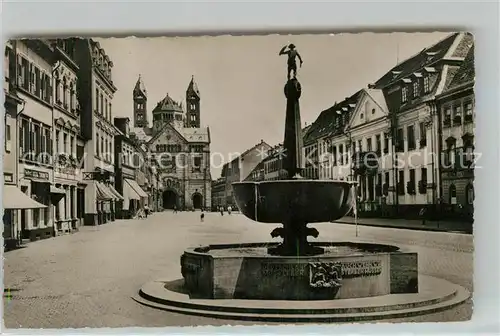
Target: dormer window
[(426, 84), (416, 88), (404, 94)]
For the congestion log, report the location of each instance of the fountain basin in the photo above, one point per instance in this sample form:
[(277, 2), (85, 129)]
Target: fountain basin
[(345, 270), (307, 201)]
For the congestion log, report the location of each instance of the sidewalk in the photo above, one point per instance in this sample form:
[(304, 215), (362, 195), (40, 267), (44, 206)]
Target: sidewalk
[(441, 226)]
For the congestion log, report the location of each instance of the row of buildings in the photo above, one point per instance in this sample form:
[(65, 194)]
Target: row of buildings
[(407, 138), (69, 162)]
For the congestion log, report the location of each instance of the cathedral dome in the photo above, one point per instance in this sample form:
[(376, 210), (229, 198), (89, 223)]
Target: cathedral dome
[(167, 104)]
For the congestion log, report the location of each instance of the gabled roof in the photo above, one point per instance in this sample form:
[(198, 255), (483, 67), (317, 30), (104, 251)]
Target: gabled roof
[(162, 130), (167, 104), (261, 143), (193, 88), (326, 124), (192, 134), (142, 134), (423, 59), (140, 88), (465, 74)]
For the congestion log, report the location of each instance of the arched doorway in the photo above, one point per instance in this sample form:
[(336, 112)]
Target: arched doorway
[(170, 199), (197, 201)]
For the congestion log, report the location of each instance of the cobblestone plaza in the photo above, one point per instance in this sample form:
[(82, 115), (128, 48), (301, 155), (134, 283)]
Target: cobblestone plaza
[(87, 279)]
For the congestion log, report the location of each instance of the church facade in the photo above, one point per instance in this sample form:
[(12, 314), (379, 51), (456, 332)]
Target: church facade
[(178, 145)]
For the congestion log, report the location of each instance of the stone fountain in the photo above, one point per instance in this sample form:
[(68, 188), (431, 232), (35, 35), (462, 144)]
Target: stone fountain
[(327, 281)]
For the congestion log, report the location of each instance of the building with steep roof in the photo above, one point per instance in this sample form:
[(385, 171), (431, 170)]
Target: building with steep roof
[(367, 135), (179, 146), (456, 114)]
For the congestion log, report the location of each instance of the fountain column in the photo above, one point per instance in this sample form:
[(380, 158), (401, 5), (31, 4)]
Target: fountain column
[(293, 143), (294, 231)]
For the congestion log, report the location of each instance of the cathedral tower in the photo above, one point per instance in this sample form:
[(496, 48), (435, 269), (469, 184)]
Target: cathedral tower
[(140, 104), (193, 105)]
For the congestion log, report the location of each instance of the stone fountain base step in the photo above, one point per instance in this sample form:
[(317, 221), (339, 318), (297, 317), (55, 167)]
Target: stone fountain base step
[(434, 295)]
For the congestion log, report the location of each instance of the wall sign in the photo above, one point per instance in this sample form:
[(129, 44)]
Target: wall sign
[(8, 177), (36, 174)]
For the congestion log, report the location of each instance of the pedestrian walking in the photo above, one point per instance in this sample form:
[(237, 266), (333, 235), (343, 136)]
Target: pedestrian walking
[(202, 216), (221, 209), (175, 208), (423, 214), (229, 210)]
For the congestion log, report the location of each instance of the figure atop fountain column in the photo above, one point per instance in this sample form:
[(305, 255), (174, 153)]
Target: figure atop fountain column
[(292, 63)]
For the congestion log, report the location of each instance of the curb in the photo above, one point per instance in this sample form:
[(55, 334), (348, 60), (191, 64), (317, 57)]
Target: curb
[(414, 228)]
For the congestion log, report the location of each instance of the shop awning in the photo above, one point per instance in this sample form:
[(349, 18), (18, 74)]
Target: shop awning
[(115, 192), (103, 193), (14, 199), (137, 188), (129, 193)]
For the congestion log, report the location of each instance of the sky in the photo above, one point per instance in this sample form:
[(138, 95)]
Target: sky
[(241, 78)]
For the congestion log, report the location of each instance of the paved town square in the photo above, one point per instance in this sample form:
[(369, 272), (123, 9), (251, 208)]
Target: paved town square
[(87, 279)]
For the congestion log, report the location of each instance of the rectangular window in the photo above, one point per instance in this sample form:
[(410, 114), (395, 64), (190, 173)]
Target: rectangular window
[(341, 155), (423, 134), (468, 112), (65, 143), (378, 144), (58, 149), (369, 144), (37, 82), (411, 137), (386, 143), (35, 141), (424, 175), (447, 117), (401, 182), (387, 178), (97, 148), (7, 137), (457, 115), (72, 100), (102, 103), (102, 145), (411, 183), (48, 142), (400, 142), (32, 78), (109, 110), (97, 100)]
